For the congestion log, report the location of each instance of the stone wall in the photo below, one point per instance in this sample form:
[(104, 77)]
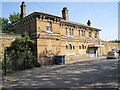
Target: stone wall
[(108, 46)]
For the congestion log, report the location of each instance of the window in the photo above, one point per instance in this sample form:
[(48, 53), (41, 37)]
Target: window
[(67, 47), (70, 46), (82, 46), (72, 32), (90, 34), (73, 47), (79, 47), (69, 32), (49, 26), (95, 35), (79, 32), (82, 33)]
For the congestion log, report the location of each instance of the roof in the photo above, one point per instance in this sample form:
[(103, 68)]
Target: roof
[(62, 20), (79, 24), (66, 21), (46, 14)]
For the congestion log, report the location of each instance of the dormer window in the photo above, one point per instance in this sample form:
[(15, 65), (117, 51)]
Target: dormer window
[(49, 26)]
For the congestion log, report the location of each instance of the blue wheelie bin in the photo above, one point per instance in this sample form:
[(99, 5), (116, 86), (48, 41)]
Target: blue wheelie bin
[(60, 59)]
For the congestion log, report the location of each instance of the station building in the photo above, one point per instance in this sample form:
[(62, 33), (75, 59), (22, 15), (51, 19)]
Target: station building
[(55, 35)]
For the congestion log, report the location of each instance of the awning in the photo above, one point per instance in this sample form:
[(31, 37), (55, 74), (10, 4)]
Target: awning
[(96, 46)]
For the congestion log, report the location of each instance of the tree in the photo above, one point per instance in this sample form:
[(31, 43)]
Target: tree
[(14, 17), (6, 23), (115, 41), (20, 55)]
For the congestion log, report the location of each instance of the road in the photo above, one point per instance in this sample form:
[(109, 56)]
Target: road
[(101, 73)]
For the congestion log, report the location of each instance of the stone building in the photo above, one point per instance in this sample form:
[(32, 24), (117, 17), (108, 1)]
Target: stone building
[(55, 35)]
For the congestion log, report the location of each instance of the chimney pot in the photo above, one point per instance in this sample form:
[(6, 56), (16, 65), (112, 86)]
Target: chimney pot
[(89, 23)]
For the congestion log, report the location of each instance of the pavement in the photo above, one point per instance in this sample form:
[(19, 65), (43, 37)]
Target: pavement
[(92, 72), (86, 59)]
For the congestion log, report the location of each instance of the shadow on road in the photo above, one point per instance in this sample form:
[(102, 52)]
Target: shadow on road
[(88, 74)]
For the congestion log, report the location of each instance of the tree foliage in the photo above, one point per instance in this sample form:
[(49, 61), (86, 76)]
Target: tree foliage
[(20, 55), (14, 17), (115, 41), (6, 23)]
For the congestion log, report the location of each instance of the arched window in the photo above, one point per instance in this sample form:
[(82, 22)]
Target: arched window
[(79, 47), (82, 46), (70, 46), (73, 47), (67, 47)]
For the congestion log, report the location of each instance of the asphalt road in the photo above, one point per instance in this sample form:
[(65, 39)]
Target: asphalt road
[(101, 73)]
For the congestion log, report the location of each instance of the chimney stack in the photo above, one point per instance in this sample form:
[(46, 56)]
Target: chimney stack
[(89, 23), (65, 13), (23, 10)]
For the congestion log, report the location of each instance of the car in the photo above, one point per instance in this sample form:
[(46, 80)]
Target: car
[(119, 52), (112, 54), (115, 49)]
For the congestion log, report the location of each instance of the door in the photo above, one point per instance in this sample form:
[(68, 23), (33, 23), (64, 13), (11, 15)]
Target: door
[(93, 52)]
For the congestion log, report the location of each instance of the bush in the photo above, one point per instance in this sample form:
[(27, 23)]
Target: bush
[(21, 54)]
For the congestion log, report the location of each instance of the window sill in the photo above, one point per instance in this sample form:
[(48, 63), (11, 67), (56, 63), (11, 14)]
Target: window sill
[(49, 32), (69, 36), (82, 37), (83, 53), (90, 38), (70, 54)]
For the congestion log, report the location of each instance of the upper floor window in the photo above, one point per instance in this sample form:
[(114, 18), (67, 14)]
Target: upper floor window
[(69, 32), (48, 26), (72, 32), (83, 33), (79, 32), (90, 34), (96, 35)]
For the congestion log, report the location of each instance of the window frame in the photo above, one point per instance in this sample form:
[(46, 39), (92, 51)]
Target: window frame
[(49, 26)]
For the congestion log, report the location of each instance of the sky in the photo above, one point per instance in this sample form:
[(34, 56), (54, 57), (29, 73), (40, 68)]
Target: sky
[(103, 15)]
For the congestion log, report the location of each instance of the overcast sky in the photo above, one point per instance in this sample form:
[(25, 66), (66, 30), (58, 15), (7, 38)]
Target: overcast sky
[(103, 15)]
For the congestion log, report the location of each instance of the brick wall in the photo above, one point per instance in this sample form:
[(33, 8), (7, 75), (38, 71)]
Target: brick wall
[(5, 41)]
